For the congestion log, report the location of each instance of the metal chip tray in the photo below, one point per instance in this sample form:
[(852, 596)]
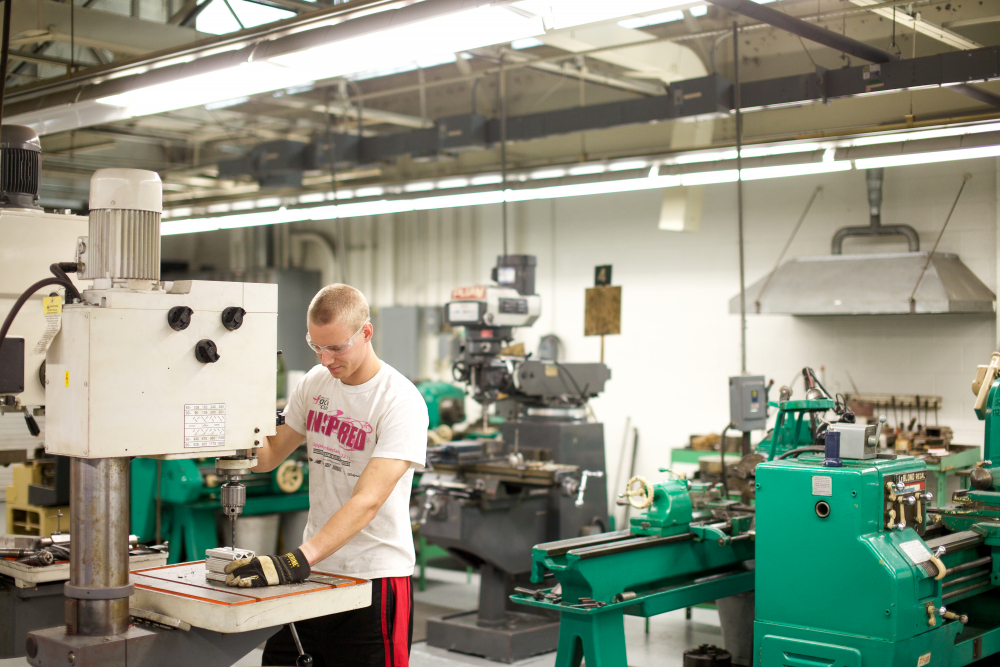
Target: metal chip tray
[(182, 592)]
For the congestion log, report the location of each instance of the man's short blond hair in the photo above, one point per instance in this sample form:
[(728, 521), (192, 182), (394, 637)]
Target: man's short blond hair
[(339, 303)]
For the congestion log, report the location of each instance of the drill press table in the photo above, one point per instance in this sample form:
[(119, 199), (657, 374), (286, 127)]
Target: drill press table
[(182, 592)]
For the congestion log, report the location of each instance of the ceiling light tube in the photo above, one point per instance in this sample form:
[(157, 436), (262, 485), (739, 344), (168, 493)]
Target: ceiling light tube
[(927, 158)]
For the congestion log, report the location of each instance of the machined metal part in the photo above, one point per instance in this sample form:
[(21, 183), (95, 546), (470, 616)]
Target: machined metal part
[(99, 553)]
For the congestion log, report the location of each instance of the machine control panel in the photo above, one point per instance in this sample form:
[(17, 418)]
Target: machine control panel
[(906, 501)]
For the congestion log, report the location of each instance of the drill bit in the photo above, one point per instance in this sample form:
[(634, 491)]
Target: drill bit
[(232, 523)]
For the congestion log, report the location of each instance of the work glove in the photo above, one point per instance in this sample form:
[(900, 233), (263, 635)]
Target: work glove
[(268, 570)]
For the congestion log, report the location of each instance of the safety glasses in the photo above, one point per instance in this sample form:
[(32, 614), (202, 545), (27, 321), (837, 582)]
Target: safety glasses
[(336, 350)]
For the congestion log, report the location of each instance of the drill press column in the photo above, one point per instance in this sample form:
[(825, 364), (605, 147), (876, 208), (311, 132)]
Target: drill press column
[(98, 590)]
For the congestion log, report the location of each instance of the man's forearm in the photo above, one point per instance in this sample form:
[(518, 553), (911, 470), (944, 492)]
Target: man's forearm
[(356, 513)]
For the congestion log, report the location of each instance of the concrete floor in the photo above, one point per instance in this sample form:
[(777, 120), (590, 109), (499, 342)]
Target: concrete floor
[(669, 634)]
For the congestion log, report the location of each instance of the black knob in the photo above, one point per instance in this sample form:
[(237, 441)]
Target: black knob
[(205, 352), (179, 317), (304, 660), (232, 317)]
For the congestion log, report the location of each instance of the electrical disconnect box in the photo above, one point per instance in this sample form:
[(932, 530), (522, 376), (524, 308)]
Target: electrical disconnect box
[(748, 402)]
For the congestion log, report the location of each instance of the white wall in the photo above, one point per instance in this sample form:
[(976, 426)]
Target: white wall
[(679, 344)]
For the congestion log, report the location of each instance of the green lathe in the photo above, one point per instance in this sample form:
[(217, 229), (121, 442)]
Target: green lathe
[(856, 569), (688, 547)]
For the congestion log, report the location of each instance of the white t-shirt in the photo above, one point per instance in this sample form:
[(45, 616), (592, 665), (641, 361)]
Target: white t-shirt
[(345, 426)]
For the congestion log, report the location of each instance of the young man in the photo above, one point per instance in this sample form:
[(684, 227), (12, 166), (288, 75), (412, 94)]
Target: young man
[(366, 427)]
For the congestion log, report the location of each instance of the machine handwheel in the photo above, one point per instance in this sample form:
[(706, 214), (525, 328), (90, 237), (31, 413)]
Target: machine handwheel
[(289, 476), (641, 497)]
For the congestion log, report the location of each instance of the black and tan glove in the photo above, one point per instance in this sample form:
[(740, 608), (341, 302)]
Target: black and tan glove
[(268, 570)]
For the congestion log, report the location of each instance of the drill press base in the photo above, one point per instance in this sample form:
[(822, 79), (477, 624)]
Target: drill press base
[(146, 646), (183, 592), (521, 636)]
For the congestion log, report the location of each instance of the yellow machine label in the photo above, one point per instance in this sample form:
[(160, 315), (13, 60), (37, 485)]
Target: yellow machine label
[(551, 370), (66, 380), (925, 659), (51, 305)]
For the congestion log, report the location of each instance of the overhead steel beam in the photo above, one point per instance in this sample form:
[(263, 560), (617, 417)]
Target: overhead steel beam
[(921, 25), (835, 40)]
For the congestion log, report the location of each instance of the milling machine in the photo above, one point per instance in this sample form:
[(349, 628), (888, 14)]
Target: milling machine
[(142, 368), (488, 501)]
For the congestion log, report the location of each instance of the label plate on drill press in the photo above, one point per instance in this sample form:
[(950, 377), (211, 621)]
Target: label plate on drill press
[(205, 425)]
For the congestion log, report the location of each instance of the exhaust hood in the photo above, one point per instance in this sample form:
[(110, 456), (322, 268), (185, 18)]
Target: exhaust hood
[(870, 284)]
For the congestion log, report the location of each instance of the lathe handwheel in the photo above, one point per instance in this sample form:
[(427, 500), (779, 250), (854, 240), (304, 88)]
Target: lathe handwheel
[(642, 497), (289, 476)]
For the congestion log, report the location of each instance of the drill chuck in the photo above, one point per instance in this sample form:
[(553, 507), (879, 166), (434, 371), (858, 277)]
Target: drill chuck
[(234, 497)]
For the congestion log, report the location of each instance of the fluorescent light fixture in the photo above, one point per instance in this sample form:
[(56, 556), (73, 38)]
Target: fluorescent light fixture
[(627, 165), (383, 206), (925, 134), (655, 19), (753, 151), (587, 169), (927, 158), (418, 186), (370, 191), (759, 173), (311, 198), (709, 177), (486, 179), (225, 84), (699, 10), (453, 183), (431, 41), (526, 43), (547, 173)]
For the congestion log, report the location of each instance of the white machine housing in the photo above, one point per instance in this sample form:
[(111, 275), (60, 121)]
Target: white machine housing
[(121, 382), (30, 241), (486, 306)]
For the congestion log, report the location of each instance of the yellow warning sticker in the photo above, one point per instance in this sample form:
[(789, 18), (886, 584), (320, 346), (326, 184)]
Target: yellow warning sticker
[(52, 305), (551, 370), (67, 379), (925, 659)]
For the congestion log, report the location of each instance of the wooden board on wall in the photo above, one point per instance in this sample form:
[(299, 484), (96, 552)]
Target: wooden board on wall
[(603, 311)]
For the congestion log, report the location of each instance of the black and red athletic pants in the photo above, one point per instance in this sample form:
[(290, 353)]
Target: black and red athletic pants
[(376, 636)]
